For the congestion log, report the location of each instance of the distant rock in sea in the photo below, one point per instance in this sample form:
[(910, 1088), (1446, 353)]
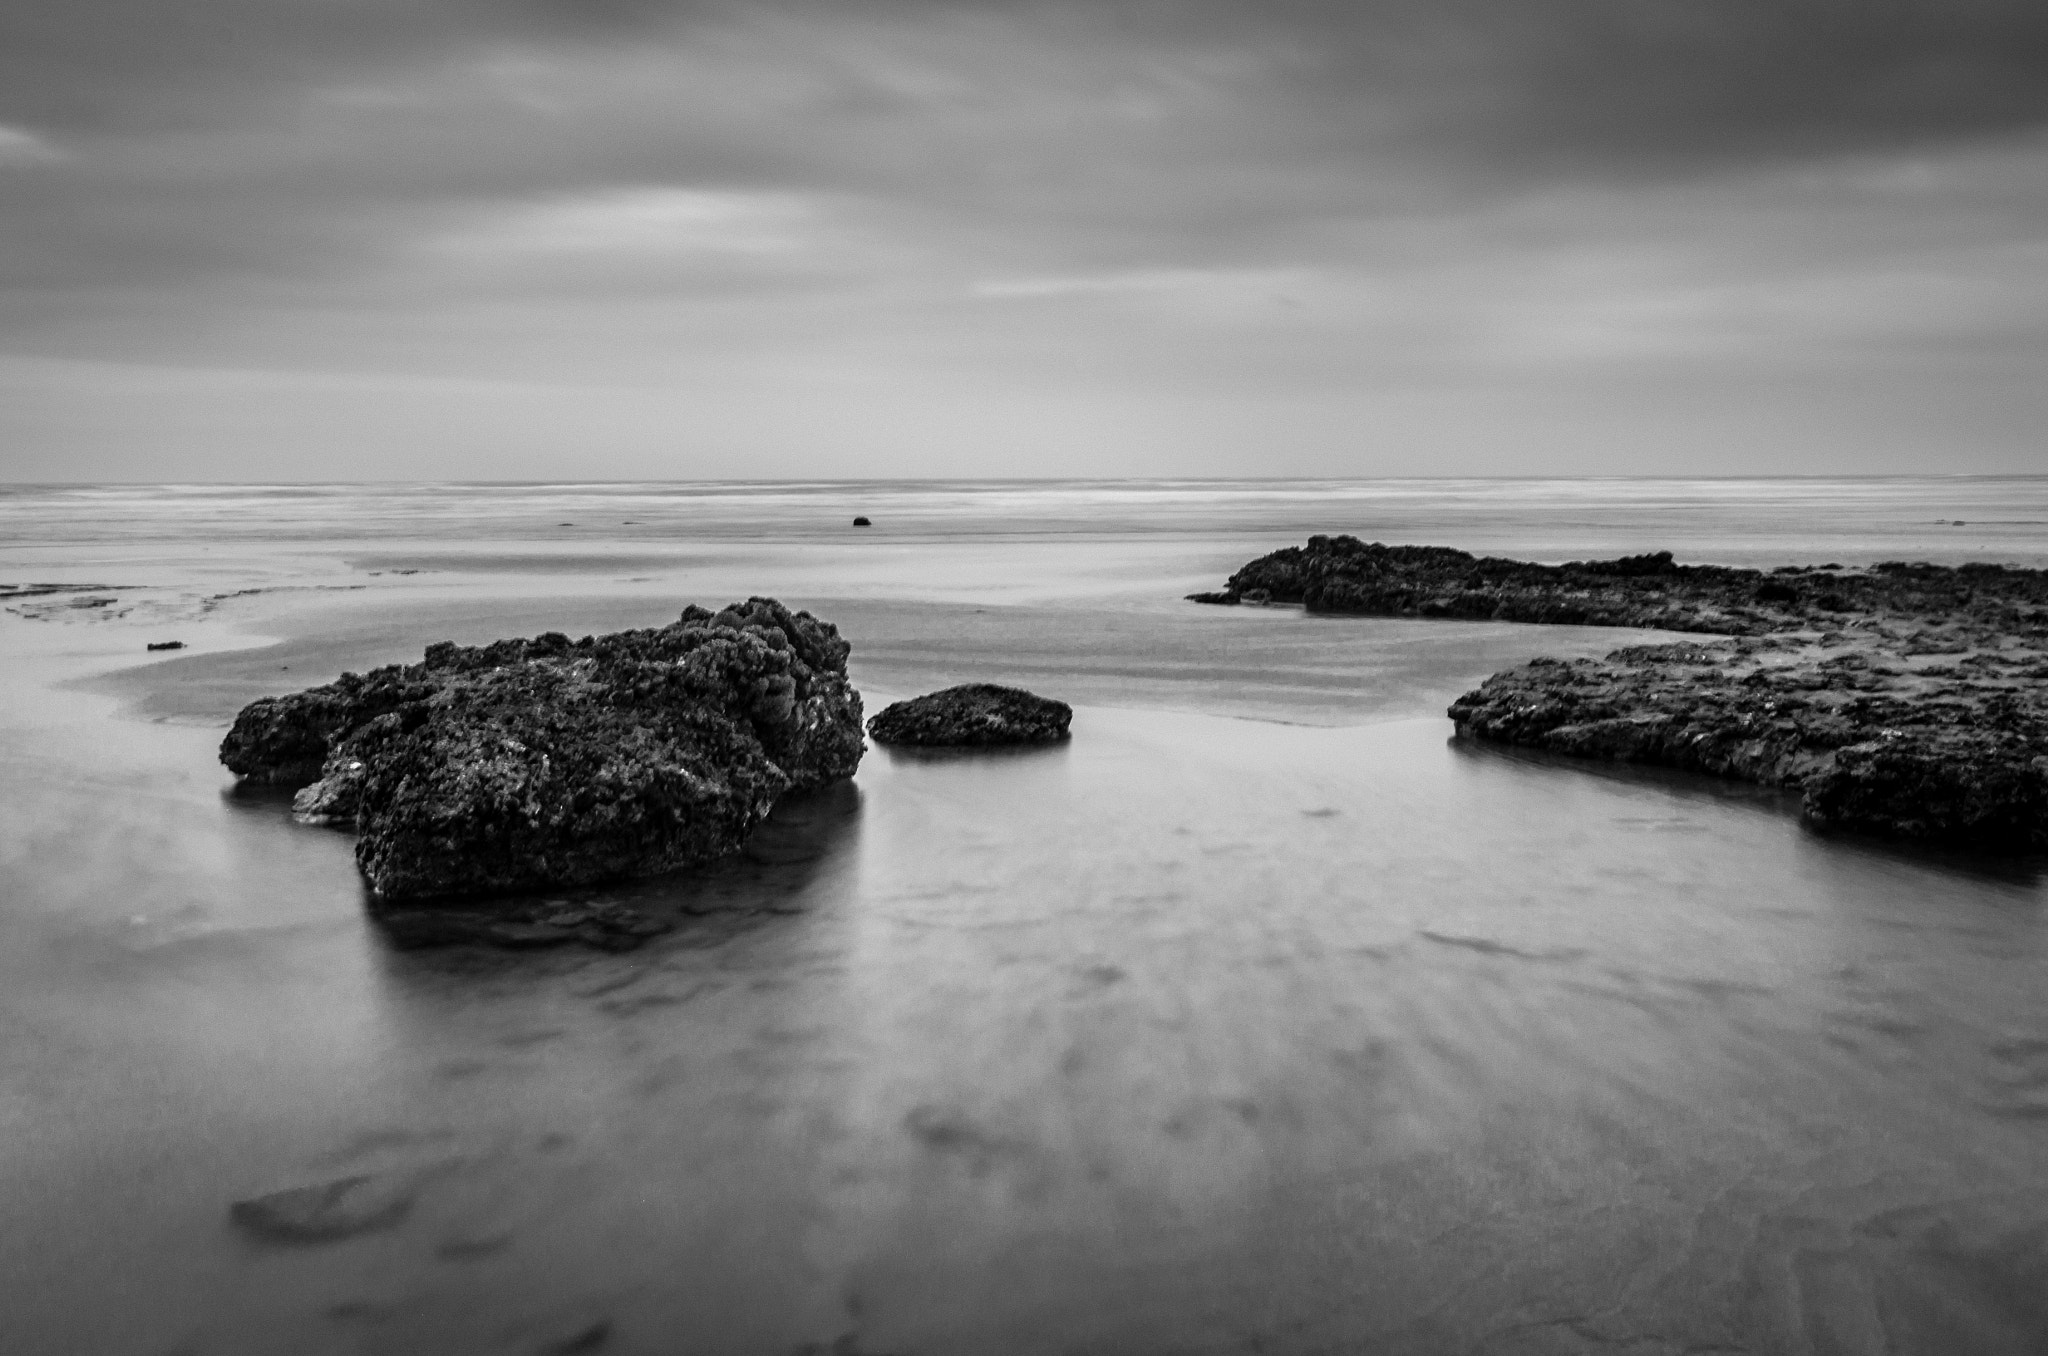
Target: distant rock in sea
[(1907, 701), (976, 714), (166, 645), (862, 522), (526, 764)]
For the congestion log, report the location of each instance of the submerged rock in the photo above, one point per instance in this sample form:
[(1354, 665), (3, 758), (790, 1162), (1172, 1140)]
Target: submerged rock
[(973, 714), (532, 763), (328, 1212)]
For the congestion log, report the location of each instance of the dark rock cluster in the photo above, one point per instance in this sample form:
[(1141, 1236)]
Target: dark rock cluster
[(1345, 575), (1881, 734), (1907, 701), (550, 762), (975, 714)]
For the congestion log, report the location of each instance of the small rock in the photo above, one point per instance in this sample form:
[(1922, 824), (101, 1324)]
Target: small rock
[(582, 1340), (470, 1247), (328, 1211), (975, 714), (167, 645), (862, 522)]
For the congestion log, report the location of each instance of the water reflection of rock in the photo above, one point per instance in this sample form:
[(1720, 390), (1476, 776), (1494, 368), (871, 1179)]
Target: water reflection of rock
[(767, 877), (1704, 788), (975, 753)]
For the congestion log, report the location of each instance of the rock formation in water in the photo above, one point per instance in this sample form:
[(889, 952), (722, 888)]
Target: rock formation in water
[(1905, 701), (1346, 575), (977, 714), (549, 762)]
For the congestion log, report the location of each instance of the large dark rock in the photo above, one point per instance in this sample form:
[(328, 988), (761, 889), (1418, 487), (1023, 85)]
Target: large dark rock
[(548, 762), (1345, 575), (1882, 735), (1904, 701), (974, 714)]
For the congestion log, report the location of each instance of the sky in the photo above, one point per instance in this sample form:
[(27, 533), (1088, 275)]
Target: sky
[(623, 239)]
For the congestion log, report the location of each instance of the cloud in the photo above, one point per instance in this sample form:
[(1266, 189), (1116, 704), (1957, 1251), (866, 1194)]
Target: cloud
[(1144, 282), (1200, 199), (642, 220)]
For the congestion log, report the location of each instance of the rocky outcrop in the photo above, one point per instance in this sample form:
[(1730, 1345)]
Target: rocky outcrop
[(549, 762), (976, 714), (1346, 575), (1884, 733), (1903, 701)]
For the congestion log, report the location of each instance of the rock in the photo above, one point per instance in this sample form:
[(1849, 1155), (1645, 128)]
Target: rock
[(974, 714), (1906, 701), (1345, 575), (591, 1337), (531, 763), (1881, 735), (329, 1211), (862, 522), (166, 645), (1957, 786), (1222, 596)]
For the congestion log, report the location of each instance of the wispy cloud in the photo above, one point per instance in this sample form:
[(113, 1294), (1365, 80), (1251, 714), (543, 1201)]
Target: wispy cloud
[(1269, 282), (638, 221)]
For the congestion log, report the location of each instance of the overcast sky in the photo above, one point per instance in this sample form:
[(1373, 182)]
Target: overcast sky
[(340, 239)]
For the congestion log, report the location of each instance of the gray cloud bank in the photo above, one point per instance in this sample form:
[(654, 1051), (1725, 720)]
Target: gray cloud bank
[(623, 237)]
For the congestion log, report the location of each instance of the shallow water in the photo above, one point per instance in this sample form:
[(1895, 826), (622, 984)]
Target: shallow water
[(1261, 1017)]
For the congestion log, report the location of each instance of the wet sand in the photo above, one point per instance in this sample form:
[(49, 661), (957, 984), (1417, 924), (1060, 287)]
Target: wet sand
[(1261, 1017)]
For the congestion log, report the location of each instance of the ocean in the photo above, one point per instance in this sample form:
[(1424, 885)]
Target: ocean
[(1263, 1016)]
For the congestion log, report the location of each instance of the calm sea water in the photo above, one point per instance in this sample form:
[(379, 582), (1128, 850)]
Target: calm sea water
[(1262, 1017), (1730, 521)]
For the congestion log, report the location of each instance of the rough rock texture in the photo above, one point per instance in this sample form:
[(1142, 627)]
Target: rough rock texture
[(547, 762), (1905, 701), (1882, 733), (1346, 575), (975, 714)]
